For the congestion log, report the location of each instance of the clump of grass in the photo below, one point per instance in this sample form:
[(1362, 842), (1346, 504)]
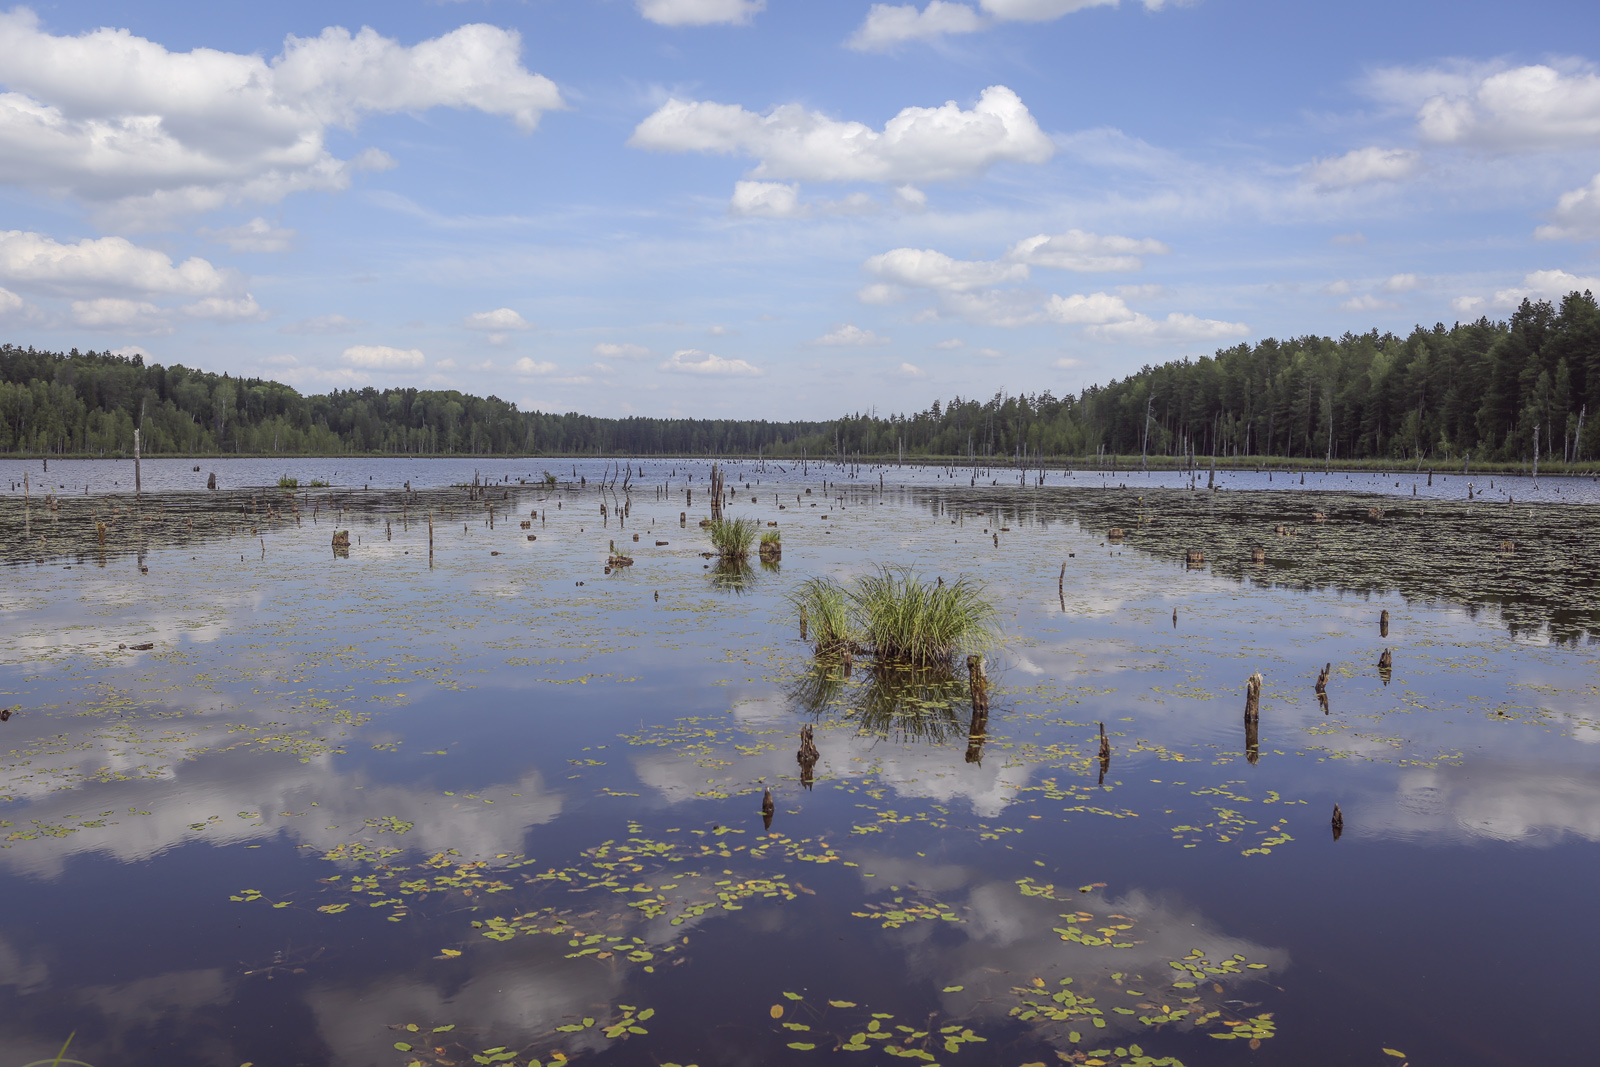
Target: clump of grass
[(771, 537), (732, 538), (907, 619), (287, 482), (549, 479), (902, 618), (317, 483), (824, 604)]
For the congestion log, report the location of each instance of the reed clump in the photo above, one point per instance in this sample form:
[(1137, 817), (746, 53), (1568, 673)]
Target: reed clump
[(732, 538), (771, 546), (898, 616)]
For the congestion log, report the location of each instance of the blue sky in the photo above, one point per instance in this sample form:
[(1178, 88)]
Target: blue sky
[(779, 209)]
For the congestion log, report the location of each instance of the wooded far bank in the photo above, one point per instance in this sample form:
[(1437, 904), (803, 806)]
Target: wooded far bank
[(1496, 391)]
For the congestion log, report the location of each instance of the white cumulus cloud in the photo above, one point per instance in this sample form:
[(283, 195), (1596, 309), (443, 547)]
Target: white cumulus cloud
[(773, 200), (922, 268), (226, 309), (1576, 215), (1517, 109), (143, 134), (1080, 251), (257, 235), (534, 367), (93, 266), (887, 25), (1372, 164), (701, 12), (382, 357), (500, 319), (850, 336), (121, 315), (1549, 285), (918, 144), (694, 361), (910, 370), (1402, 283), (1177, 327), (1094, 309)]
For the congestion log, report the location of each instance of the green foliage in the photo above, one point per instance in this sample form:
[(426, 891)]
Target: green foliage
[(907, 619), (549, 480), (1478, 387), (902, 618), (732, 538), (287, 482), (825, 606), (771, 537)]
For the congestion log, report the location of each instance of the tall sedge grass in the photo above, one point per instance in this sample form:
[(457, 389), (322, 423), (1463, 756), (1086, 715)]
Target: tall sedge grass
[(907, 619), (771, 537), (900, 617), (732, 538), (826, 607)]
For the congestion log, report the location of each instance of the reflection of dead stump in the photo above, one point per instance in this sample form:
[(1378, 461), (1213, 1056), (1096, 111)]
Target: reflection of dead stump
[(770, 551), (1114, 534), (1252, 697), (1194, 558), (977, 734), (1383, 624), (1386, 661), (1319, 516), (1105, 754), (808, 746), (1322, 679), (847, 661), (978, 682), (1252, 741), (1374, 513), (1258, 554), (1508, 546), (767, 808), (1281, 530), (807, 756), (802, 624), (1338, 823), (1322, 698)]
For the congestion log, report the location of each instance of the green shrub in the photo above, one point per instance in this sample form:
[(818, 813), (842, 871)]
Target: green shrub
[(287, 482), (771, 537), (825, 606)]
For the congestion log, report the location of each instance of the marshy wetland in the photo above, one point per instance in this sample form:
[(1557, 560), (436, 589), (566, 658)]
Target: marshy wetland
[(510, 800)]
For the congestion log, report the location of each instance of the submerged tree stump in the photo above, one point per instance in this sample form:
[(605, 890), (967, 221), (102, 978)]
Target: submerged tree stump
[(1383, 623)]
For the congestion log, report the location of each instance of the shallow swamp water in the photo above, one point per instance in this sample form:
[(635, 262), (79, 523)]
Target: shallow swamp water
[(267, 802)]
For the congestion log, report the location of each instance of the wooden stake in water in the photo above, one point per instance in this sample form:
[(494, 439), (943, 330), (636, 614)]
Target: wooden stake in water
[(1252, 696), (1383, 624)]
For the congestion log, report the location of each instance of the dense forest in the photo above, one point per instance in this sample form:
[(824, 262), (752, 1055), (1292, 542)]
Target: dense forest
[(1485, 388)]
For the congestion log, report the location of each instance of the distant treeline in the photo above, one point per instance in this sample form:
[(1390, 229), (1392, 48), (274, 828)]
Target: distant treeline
[(1485, 388)]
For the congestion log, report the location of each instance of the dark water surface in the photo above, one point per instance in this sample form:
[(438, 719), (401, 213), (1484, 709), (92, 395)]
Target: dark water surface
[(360, 810)]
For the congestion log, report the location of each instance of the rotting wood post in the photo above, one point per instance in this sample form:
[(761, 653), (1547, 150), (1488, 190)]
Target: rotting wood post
[(978, 683), (1194, 558), (1322, 679), (1252, 696), (1338, 823), (1061, 581), (1386, 661), (802, 623), (1383, 623), (1258, 554), (1252, 741), (1105, 743)]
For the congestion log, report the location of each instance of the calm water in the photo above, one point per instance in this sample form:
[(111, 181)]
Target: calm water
[(506, 807)]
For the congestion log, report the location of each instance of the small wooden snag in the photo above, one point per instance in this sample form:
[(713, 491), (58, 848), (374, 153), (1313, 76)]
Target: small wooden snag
[(1195, 558), (1383, 623), (1258, 554), (1386, 661), (978, 682), (1322, 679), (1338, 823), (1252, 696)]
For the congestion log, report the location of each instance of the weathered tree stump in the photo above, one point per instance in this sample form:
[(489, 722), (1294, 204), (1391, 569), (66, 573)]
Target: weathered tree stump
[(1252, 695), (1194, 558), (1258, 554), (978, 683), (1114, 534), (341, 539), (1338, 823), (1322, 679), (1383, 623)]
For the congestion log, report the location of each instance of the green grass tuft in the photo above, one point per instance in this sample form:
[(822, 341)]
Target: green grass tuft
[(287, 482), (732, 538), (901, 618)]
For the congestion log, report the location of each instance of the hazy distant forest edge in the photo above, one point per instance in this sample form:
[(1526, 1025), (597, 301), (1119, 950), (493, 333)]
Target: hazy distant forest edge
[(1484, 389)]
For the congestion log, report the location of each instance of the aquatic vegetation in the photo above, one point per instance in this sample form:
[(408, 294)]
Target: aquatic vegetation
[(287, 482), (732, 538), (900, 617)]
